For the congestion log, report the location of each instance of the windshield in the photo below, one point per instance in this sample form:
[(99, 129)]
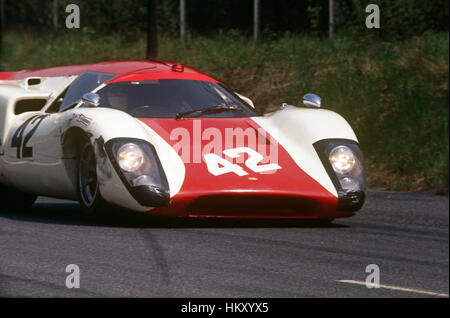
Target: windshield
[(84, 83), (168, 98)]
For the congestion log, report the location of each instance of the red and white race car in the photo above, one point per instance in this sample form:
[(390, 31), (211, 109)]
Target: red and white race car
[(166, 139)]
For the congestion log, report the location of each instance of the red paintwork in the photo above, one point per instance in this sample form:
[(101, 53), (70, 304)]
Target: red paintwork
[(229, 195), (162, 75), (6, 75), (126, 71)]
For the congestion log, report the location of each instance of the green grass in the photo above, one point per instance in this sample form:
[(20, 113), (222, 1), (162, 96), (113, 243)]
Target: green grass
[(394, 94)]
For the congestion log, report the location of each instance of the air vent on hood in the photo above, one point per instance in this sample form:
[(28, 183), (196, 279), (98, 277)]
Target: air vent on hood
[(33, 82)]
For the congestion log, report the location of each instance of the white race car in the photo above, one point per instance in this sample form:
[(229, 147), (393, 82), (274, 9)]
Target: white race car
[(166, 139)]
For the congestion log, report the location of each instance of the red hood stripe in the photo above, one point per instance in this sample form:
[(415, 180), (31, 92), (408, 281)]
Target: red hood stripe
[(290, 180)]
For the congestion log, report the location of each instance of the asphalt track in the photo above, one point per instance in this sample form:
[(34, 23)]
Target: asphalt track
[(406, 235)]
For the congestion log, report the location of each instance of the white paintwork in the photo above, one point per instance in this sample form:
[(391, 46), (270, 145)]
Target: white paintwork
[(12, 91), (297, 129)]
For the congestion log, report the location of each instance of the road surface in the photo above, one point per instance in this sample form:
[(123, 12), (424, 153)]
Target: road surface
[(405, 235)]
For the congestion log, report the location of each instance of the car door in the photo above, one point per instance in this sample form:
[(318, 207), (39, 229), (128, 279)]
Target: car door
[(33, 156), (34, 149)]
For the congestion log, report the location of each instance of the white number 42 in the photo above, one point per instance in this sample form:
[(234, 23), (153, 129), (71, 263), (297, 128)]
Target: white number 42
[(218, 166)]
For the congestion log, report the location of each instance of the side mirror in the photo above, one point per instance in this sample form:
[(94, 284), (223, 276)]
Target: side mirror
[(91, 99), (312, 100)]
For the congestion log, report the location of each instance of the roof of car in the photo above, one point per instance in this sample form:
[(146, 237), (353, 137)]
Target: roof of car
[(132, 70)]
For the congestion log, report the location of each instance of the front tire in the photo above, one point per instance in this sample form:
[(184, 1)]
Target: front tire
[(15, 200), (92, 203)]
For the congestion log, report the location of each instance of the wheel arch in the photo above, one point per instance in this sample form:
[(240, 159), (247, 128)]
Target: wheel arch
[(72, 140)]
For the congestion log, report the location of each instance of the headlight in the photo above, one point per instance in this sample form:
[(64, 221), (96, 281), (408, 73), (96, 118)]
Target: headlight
[(130, 157), (138, 166), (349, 184), (342, 159)]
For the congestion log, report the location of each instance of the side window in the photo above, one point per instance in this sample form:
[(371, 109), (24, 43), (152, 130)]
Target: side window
[(85, 83), (29, 105)]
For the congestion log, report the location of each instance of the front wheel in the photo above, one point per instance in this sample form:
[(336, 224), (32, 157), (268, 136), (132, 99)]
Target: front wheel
[(92, 203), (15, 200)]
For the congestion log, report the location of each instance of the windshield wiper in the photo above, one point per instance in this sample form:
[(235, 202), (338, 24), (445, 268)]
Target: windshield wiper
[(209, 110)]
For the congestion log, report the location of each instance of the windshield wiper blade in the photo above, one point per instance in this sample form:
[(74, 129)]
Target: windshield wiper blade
[(208, 110)]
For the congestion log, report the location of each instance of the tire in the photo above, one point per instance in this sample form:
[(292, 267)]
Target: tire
[(93, 205), (15, 200)]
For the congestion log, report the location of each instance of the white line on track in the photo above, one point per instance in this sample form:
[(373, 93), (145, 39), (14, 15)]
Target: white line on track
[(409, 290)]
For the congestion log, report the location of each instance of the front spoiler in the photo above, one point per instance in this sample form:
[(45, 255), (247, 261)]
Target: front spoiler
[(253, 206)]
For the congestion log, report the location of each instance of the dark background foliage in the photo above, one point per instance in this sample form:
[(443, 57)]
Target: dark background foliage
[(400, 18)]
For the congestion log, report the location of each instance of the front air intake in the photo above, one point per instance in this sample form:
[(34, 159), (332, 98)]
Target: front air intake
[(229, 205)]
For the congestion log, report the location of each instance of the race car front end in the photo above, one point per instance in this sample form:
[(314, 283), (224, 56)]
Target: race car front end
[(235, 177)]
